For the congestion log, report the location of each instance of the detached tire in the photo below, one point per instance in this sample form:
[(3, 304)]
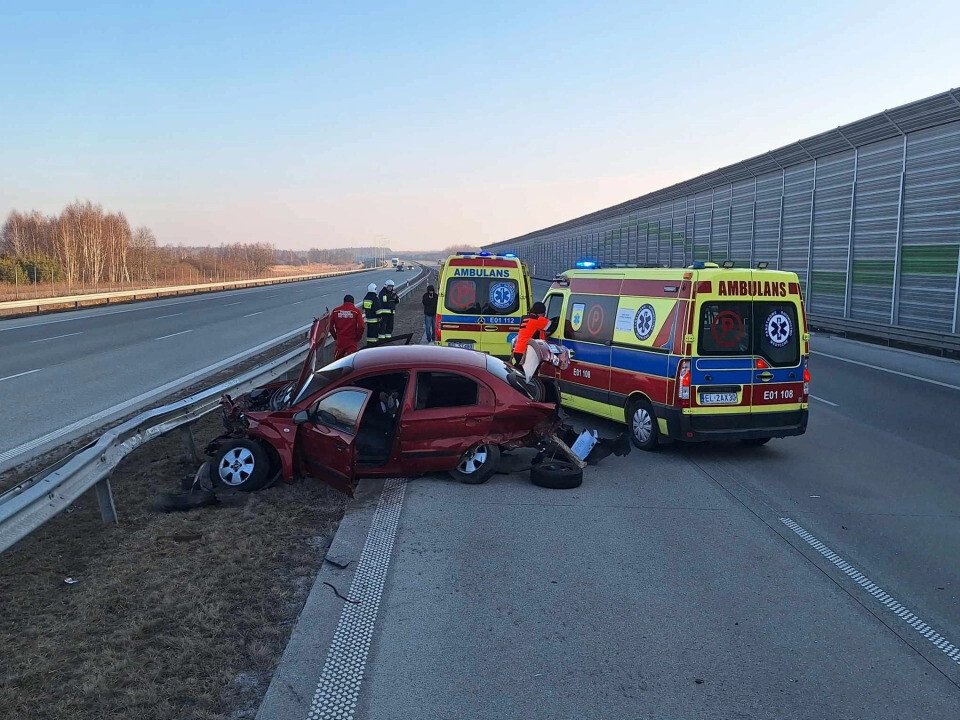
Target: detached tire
[(642, 423), (556, 475), (240, 465), (477, 464)]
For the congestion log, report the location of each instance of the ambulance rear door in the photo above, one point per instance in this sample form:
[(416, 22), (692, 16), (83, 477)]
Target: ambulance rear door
[(778, 340)]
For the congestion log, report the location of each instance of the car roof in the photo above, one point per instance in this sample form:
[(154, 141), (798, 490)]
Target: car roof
[(417, 356)]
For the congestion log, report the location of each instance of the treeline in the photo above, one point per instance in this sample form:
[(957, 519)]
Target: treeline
[(87, 246)]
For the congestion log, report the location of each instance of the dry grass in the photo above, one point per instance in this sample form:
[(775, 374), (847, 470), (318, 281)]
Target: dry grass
[(180, 615)]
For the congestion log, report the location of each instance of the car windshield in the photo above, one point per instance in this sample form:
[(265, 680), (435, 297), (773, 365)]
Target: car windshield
[(319, 379), (509, 375)]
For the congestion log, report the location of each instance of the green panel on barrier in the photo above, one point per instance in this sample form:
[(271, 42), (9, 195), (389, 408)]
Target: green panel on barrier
[(929, 259), (828, 282), (873, 272)]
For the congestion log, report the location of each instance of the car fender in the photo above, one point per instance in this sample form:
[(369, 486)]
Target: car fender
[(280, 435)]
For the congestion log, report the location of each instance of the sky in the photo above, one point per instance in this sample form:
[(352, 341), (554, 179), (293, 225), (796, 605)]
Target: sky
[(420, 125)]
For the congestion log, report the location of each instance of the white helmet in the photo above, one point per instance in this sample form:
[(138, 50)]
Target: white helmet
[(390, 283), (372, 287)]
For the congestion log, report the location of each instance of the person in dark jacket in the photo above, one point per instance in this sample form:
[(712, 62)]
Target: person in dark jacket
[(533, 326), (386, 310), (370, 305), (430, 314), (346, 327)]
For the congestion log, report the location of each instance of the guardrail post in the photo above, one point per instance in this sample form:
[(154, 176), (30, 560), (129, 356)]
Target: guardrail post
[(108, 510), (189, 446)]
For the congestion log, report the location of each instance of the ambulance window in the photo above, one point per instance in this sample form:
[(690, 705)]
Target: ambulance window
[(591, 318), (776, 333), (482, 296), (725, 328), (554, 308)]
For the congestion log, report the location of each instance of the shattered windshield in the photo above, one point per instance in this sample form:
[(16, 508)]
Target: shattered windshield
[(510, 375), (319, 379)]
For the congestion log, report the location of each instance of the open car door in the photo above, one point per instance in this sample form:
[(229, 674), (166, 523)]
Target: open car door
[(326, 444), (316, 338), (540, 352)]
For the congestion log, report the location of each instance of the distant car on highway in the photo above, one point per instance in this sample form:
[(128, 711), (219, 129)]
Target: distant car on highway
[(382, 412)]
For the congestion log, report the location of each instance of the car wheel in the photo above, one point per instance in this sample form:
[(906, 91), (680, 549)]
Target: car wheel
[(556, 475), (240, 465), (642, 422), (756, 442), (477, 464)]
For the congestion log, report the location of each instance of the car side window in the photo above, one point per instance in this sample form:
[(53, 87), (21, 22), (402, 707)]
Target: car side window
[(341, 410), (554, 308), (442, 390)]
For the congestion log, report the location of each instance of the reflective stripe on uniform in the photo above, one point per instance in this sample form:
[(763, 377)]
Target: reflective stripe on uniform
[(384, 311)]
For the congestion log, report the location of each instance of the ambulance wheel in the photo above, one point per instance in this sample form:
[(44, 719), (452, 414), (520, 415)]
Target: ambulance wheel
[(477, 464), (642, 423), (756, 442)]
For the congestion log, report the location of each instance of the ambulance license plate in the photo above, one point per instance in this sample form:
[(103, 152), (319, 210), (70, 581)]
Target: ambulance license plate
[(727, 398), (465, 344)]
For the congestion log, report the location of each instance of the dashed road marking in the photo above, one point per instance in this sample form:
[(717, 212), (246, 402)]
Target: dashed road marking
[(161, 317), (924, 630), (887, 370), (56, 337), (182, 332), (825, 402), (339, 687), (28, 372), (238, 302), (258, 312)]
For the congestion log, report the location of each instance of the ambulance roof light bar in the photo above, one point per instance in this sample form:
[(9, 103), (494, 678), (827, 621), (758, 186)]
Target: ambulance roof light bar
[(763, 265), (727, 264), (587, 265)]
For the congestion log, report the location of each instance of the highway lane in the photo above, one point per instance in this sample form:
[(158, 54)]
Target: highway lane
[(61, 368)]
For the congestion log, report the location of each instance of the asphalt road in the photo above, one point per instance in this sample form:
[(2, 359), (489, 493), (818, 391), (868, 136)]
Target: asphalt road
[(61, 368), (815, 577)]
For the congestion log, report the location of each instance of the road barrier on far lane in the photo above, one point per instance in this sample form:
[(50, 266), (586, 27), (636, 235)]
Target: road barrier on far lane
[(92, 299), (29, 504)]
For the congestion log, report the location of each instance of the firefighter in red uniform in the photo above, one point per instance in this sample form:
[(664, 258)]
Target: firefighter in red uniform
[(532, 327), (346, 327)]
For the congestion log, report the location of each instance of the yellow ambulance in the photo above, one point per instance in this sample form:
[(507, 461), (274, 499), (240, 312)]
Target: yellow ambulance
[(482, 298), (691, 354)]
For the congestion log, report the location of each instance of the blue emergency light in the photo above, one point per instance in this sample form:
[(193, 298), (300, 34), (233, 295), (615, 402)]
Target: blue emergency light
[(587, 264), (509, 255), (483, 253)]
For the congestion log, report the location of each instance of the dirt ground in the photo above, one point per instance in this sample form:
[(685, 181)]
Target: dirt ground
[(180, 615)]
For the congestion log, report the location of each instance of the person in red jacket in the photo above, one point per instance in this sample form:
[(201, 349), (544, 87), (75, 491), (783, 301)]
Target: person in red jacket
[(532, 327), (346, 327)]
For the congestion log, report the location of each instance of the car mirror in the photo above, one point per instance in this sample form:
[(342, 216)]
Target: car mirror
[(299, 418)]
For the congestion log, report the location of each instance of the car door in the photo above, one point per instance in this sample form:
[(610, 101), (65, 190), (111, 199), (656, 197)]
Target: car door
[(450, 413), (326, 442)]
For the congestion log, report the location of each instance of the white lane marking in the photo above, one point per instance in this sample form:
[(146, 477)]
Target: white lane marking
[(339, 686), (825, 402), (161, 317), (182, 332), (297, 302), (28, 372), (922, 628), (887, 370), (258, 312), (238, 302), (56, 337)]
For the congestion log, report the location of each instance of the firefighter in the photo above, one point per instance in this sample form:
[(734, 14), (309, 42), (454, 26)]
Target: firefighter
[(386, 309), (370, 304), (532, 327), (346, 327)]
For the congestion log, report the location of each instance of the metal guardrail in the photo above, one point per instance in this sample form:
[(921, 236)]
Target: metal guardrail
[(174, 290), (941, 343), (28, 505)]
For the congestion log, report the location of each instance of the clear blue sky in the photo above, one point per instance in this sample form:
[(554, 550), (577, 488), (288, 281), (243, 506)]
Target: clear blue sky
[(427, 123)]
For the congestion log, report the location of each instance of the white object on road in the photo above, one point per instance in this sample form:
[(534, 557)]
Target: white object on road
[(584, 444)]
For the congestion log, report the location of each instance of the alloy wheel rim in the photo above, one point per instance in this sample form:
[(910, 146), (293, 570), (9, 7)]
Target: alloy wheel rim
[(473, 460), (236, 466)]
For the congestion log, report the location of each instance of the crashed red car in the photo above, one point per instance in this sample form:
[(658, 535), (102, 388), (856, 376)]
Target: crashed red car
[(385, 411)]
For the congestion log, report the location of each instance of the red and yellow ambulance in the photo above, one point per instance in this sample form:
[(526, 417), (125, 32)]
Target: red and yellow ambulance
[(691, 354), (481, 299)]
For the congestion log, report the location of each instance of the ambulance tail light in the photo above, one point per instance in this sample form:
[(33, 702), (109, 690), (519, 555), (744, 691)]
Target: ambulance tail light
[(683, 381), (761, 364), (436, 327), (806, 378)]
